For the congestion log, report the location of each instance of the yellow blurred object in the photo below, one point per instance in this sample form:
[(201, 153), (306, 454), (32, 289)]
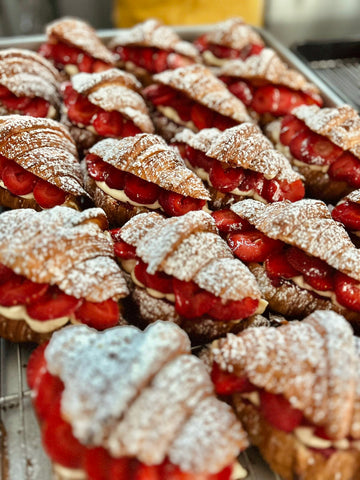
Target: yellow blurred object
[(186, 12)]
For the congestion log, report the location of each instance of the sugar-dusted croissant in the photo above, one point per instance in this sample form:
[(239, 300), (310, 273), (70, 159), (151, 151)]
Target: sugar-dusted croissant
[(347, 211), (29, 84), (238, 163), (151, 47), (141, 173), (56, 267), (132, 402), (266, 84), (73, 46), (184, 272), (39, 167), (230, 39), (193, 97), (303, 260), (296, 389), (323, 144)]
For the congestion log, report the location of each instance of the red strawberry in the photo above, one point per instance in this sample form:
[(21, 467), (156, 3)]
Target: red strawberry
[(225, 178), (124, 250), (46, 50), (198, 159), (290, 127), (311, 98), (242, 90), (252, 246), (299, 146), (100, 315), (54, 304), (36, 366), (13, 102), (227, 221), (129, 129), (4, 92), (227, 383), (175, 60), (85, 64), (6, 274), (99, 66), (190, 300), (183, 106), (97, 464), (252, 181), (146, 472), (159, 94), (160, 61), (48, 391), (272, 191), (320, 146), (18, 290), (348, 213), (277, 265), (96, 167), (38, 107), (3, 163), (221, 122), (122, 468), (18, 180), (347, 169), (108, 124), (292, 191), (275, 100), (347, 291), (255, 49), (48, 195), (201, 43), (278, 412), (233, 310), (224, 52), (66, 54), (115, 178), (81, 111), (159, 281), (201, 116), (175, 204), (141, 191)]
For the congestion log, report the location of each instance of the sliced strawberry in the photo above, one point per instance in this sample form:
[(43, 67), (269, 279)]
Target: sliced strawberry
[(48, 195), (159, 94), (242, 90), (85, 64), (81, 111), (227, 221), (222, 122), (201, 116), (115, 178), (252, 181), (146, 58), (311, 98), (160, 61), (224, 52), (97, 464), (146, 472), (124, 250), (299, 146), (48, 393), (6, 274), (201, 43), (18, 290), (225, 178), (96, 167), (347, 291), (190, 300), (36, 366), (141, 191), (347, 169), (233, 310), (227, 383), (108, 124), (4, 162), (272, 191), (16, 103), (290, 127), (54, 304), (275, 100), (315, 271), (348, 213), (183, 106), (175, 60), (320, 146), (66, 54), (198, 159), (18, 180), (60, 443), (69, 94), (38, 107), (255, 49), (46, 50), (278, 412), (100, 315), (123, 468), (293, 191), (159, 281), (252, 246), (129, 129), (175, 204), (277, 266), (100, 66), (4, 92)]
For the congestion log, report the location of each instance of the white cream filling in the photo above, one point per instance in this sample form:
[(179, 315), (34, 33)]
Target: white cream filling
[(172, 114), (65, 473), (71, 69), (209, 57), (28, 196), (51, 112), (18, 312), (318, 168), (299, 280), (238, 471)]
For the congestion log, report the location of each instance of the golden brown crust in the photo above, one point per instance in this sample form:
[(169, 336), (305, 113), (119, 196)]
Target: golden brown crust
[(19, 331)]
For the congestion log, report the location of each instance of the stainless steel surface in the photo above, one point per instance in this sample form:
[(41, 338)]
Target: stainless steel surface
[(27, 460)]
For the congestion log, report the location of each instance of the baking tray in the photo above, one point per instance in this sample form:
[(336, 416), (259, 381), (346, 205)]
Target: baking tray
[(21, 454), (337, 62)]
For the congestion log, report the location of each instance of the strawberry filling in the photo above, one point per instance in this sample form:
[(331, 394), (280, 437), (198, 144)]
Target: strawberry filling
[(152, 59), (187, 109), (47, 302), (21, 182), (33, 106), (62, 54), (314, 149), (275, 99), (141, 191), (348, 213), (191, 301), (63, 448), (226, 179), (219, 51), (81, 111)]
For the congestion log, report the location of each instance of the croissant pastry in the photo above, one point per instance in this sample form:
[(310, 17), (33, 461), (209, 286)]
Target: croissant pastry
[(347, 211), (266, 85), (300, 406), (323, 144), (29, 84), (238, 163), (230, 39), (184, 272), (39, 166), (104, 104), (73, 46), (141, 173), (151, 47), (302, 259), (56, 267), (193, 97)]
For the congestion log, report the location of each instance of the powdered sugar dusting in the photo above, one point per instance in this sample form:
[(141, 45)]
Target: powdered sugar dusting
[(354, 196), (200, 141), (234, 33)]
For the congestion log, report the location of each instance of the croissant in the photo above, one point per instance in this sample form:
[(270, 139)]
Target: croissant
[(104, 104), (266, 85), (230, 39), (39, 166), (141, 173), (323, 144), (56, 266), (302, 259), (300, 406), (193, 97), (184, 272), (29, 84), (73, 46), (347, 211), (238, 163)]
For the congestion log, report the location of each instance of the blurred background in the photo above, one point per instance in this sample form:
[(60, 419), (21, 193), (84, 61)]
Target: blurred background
[(289, 20)]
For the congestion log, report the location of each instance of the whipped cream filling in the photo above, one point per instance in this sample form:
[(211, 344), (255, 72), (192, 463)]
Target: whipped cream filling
[(28, 196), (209, 57), (300, 282), (172, 114), (18, 312), (71, 69)]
